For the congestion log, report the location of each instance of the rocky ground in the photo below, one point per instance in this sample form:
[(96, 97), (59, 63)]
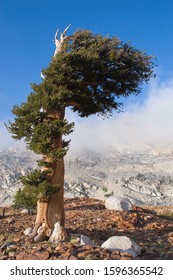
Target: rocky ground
[(151, 227)]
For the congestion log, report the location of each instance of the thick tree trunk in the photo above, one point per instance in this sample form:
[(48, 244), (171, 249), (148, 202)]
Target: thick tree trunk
[(50, 215), (51, 212)]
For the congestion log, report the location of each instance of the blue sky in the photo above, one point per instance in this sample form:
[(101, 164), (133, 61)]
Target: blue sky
[(27, 28)]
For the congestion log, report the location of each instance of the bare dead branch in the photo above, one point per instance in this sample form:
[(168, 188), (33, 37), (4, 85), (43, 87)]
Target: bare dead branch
[(59, 42)]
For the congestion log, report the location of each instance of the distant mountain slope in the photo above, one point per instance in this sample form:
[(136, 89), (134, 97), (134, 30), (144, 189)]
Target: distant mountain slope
[(14, 162), (145, 177)]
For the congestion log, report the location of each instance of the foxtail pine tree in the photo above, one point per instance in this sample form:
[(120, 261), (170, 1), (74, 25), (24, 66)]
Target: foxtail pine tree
[(88, 73)]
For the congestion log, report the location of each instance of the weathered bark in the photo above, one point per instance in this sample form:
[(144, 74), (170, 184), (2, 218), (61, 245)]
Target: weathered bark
[(52, 212)]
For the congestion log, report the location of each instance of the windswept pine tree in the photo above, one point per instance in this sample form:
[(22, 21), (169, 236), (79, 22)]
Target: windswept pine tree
[(88, 73)]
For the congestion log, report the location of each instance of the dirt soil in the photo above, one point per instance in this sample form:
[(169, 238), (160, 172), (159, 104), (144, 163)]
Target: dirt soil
[(150, 227)]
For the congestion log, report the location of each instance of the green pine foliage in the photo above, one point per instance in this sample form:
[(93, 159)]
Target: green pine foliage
[(25, 198), (89, 75), (96, 70), (35, 188), (37, 180)]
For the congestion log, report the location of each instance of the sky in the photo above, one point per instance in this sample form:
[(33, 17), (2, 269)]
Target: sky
[(27, 29)]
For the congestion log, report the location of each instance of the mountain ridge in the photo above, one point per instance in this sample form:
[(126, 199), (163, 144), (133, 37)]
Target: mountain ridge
[(144, 177)]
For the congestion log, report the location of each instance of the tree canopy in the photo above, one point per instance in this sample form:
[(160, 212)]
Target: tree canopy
[(89, 75)]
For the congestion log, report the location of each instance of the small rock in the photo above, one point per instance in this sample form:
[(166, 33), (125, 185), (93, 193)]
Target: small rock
[(4, 258), (71, 251), (59, 248), (118, 203), (94, 188), (40, 238), (27, 256), (75, 239), (85, 240), (58, 234), (42, 255), (17, 239), (7, 245), (11, 220), (27, 231), (122, 244), (11, 254), (125, 254), (24, 211)]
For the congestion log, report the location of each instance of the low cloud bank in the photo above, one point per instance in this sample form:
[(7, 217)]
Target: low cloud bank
[(147, 125)]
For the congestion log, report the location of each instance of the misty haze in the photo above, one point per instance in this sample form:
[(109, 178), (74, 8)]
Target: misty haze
[(140, 126)]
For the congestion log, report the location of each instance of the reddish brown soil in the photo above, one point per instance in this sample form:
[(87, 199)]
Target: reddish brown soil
[(150, 227)]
